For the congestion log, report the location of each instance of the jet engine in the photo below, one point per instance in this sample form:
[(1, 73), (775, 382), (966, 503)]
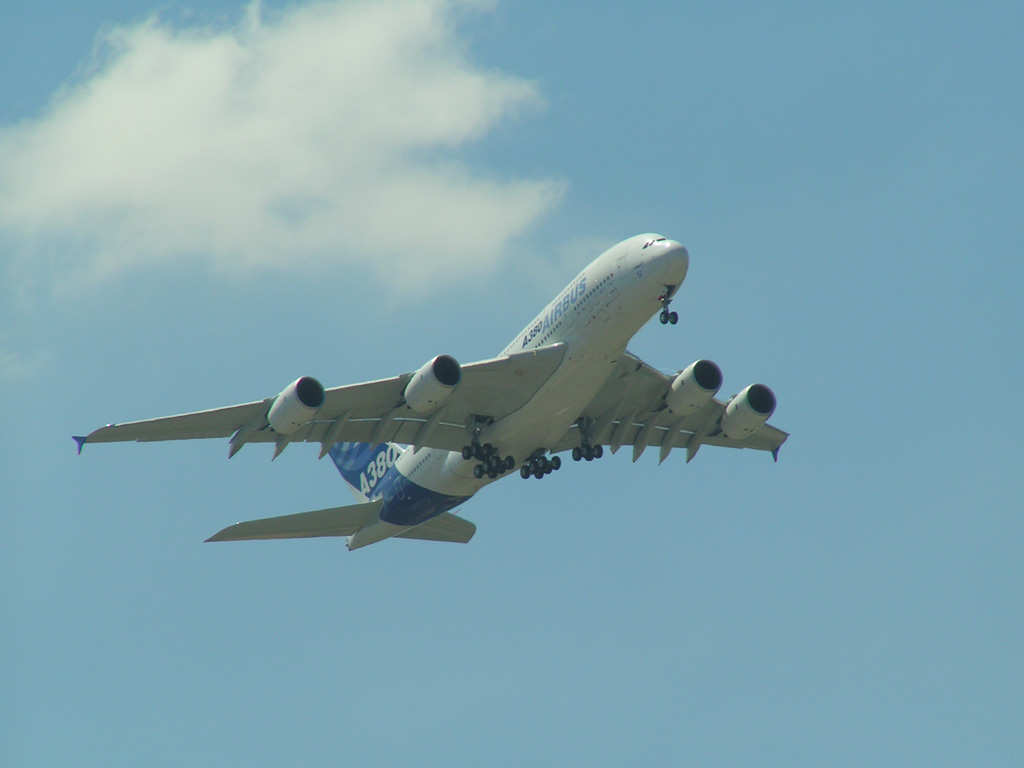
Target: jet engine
[(431, 384), (693, 387), (746, 412), (296, 405)]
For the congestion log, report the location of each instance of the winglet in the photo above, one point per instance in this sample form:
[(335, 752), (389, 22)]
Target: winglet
[(81, 441), (775, 454)]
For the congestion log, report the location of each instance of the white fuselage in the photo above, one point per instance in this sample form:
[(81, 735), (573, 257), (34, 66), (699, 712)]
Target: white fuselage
[(595, 316)]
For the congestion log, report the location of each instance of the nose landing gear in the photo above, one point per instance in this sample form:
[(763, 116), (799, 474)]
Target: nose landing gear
[(667, 317)]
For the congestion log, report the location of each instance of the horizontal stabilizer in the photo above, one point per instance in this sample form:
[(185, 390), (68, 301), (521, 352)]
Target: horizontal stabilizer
[(336, 521), (444, 527)]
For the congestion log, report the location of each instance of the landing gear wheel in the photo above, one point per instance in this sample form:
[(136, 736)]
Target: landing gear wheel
[(556, 462), (467, 452), (478, 471), (667, 317), (492, 473), (524, 471), (598, 451), (510, 463), (588, 454), (577, 454)]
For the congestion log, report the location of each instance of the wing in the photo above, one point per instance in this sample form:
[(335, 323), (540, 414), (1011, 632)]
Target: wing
[(630, 410), (444, 527), (372, 412), (336, 521)]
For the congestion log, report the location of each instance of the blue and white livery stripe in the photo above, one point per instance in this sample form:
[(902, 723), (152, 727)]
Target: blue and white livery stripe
[(371, 472)]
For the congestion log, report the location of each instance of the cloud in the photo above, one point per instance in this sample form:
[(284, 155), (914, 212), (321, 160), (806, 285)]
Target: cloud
[(325, 136)]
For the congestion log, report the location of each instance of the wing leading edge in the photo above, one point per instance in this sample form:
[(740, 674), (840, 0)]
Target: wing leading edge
[(371, 412), (630, 410)]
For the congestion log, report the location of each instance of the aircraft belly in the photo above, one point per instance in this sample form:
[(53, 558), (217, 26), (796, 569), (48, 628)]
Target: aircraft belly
[(412, 500), (412, 504), (554, 409)]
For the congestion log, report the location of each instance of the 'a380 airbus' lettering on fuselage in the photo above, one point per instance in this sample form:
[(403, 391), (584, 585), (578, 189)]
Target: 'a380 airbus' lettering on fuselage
[(565, 384)]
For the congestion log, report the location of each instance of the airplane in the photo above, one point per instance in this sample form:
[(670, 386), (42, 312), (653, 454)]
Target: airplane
[(414, 447)]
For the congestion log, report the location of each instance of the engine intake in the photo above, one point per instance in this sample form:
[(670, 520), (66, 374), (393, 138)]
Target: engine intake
[(432, 384), (296, 405), (748, 411), (693, 387)]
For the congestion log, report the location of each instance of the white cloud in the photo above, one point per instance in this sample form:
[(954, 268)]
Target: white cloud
[(326, 135), (19, 367)]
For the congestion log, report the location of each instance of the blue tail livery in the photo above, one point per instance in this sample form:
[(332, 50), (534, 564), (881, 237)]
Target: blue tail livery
[(363, 466)]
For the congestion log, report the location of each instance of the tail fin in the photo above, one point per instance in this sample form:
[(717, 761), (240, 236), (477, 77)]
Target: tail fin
[(363, 465)]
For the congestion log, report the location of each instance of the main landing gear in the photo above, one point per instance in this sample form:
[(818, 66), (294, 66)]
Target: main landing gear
[(667, 317), (587, 452), (491, 463), (540, 466)]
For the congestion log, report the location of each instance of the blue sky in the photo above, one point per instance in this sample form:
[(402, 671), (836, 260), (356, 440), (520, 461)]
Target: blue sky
[(196, 207)]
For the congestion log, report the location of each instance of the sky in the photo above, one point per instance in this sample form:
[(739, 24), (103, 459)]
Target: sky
[(201, 202)]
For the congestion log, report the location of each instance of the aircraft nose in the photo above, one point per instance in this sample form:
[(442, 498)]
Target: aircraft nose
[(677, 262)]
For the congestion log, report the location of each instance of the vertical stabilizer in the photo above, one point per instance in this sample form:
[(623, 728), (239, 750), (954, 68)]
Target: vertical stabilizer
[(363, 465)]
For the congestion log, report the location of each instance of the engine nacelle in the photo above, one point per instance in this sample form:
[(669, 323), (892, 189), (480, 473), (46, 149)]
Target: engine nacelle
[(693, 387), (746, 412), (431, 384), (296, 405)]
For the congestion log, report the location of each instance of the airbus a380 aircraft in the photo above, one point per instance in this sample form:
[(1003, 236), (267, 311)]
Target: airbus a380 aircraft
[(565, 383)]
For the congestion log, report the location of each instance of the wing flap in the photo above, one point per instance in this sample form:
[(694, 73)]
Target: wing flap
[(335, 521), (444, 527), (489, 389), (630, 410)]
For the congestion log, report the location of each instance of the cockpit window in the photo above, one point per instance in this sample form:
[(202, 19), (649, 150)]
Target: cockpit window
[(652, 242)]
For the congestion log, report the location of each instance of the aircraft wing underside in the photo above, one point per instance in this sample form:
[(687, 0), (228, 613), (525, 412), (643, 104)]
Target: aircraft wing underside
[(373, 412), (630, 410)]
